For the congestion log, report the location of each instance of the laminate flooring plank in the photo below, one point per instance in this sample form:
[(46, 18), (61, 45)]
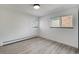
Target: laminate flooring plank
[(37, 46)]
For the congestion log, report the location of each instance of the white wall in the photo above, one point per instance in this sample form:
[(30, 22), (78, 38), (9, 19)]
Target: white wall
[(15, 25), (63, 35)]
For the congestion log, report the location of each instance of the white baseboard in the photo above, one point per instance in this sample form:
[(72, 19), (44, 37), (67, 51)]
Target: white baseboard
[(15, 40), (1, 44), (60, 42)]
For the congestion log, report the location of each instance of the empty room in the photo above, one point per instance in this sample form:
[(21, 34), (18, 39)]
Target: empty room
[(39, 28)]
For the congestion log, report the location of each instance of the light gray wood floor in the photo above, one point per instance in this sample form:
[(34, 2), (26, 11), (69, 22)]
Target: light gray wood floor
[(37, 46)]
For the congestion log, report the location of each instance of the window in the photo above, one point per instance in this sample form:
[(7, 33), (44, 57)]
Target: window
[(55, 22), (35, 23), (66, 21), (62, 21)]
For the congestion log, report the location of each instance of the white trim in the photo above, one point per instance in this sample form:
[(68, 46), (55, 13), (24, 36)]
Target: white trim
[(15, 40)]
